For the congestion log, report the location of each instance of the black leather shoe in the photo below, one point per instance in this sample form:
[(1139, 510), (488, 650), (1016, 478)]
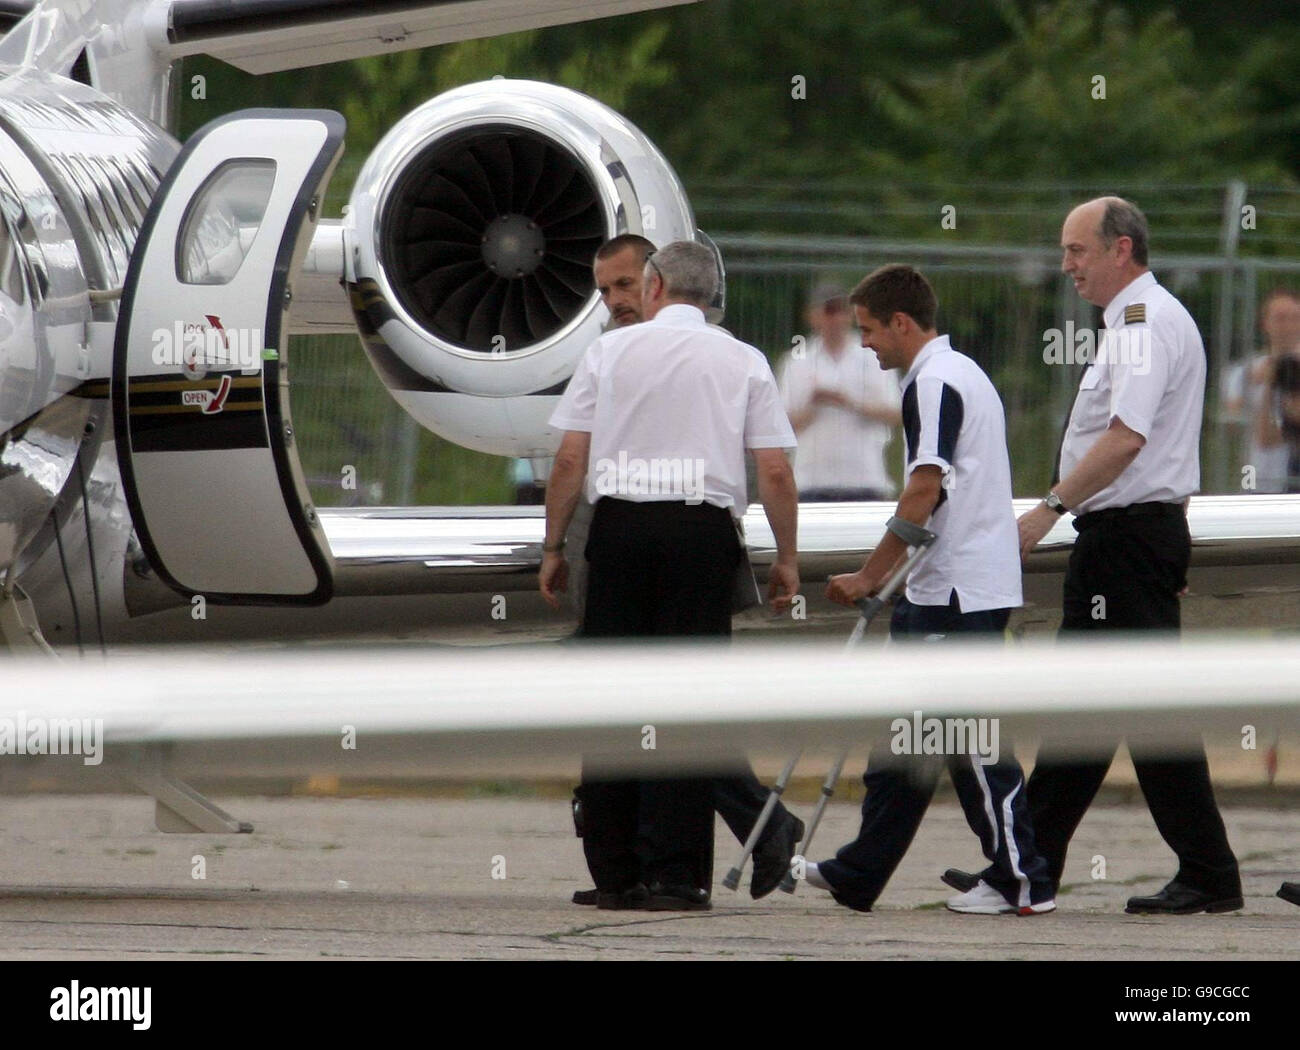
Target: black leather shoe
[(635, 899), (1177, 899), (591, 897), (961, 881), (677, 898), (772, 857), (1290, 891)]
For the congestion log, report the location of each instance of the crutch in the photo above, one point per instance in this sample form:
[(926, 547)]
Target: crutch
[(914, 536), (920, 540), (732, 880)]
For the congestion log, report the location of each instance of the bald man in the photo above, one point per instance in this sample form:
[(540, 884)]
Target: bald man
[(1129, 463)]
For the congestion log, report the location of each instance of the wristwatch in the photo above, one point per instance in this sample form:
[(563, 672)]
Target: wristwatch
[(547, 549), (1053, 502)]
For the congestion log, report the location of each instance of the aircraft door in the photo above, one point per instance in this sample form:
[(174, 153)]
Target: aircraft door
[(200, 373)]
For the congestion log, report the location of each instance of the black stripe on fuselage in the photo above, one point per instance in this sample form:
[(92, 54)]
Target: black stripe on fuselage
[(206, 19)]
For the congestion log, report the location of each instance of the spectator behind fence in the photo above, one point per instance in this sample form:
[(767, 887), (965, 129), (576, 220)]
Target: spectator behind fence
[(842, 404), (1262, 396)]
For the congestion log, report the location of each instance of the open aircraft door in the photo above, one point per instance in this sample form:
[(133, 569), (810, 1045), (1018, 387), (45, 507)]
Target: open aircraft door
[(200, 375)]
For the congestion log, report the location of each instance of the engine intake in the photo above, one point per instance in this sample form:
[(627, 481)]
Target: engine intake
[(491, 233), (470, 237)]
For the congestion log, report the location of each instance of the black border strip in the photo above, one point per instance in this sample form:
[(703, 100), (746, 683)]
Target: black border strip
[(198, 20), (277, 415), (312, 184)]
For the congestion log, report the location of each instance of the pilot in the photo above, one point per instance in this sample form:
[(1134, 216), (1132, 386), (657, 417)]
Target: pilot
[(663, 549), (1129, 463)]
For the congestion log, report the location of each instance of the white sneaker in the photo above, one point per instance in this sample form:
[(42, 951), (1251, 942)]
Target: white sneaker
[(982, 900), (985, 900), (814, 878)]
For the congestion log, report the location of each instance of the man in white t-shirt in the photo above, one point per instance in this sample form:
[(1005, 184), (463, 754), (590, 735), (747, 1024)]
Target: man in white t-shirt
[(843, 407), (958, 486), (1256, 396), (739, 798), (656, 421)]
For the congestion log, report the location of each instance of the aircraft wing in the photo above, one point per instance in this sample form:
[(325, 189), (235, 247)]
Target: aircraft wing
[(1239, 545), (265, 36)]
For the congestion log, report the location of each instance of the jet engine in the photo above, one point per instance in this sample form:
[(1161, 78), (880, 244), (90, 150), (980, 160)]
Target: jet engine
[(469, 243)]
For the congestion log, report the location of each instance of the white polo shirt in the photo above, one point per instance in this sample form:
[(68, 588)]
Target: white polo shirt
[(1149, 374), (840, 448), (671, 406), (953, 418)]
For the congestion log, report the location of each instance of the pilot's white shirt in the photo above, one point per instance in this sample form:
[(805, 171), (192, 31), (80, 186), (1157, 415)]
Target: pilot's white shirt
[(671, 405), (1150, 375)]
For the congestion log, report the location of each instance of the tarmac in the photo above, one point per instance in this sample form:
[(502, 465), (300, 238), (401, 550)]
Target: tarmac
[(490, 877)]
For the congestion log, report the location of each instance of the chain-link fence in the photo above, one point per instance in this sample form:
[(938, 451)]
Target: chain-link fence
[(998, 300), (999, 304)]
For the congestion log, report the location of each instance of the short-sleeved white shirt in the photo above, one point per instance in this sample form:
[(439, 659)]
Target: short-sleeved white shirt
[(671, 406), (1149, 374), (953, 418), (840, 448), (1270, 461)]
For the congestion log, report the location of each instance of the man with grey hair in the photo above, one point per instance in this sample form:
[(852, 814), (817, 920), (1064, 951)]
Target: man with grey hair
[(1129, 463), (619, 267), (656, 421)]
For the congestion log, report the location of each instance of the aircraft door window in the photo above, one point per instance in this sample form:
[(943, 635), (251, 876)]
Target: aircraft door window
[(223, 220)]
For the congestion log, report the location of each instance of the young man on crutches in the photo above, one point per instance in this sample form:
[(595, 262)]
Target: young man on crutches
[(958, 486)]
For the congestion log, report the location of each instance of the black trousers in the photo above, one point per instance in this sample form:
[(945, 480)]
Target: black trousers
[(899, 790), (842, 495), (654, 570), (739, 799), (1124, 574)]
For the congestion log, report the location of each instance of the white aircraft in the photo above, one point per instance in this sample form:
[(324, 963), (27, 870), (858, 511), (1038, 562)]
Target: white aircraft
[(148, 292), (150, 486), (148, 464)]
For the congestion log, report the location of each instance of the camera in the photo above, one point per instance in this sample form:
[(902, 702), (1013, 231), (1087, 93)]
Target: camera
[(1286, 375)]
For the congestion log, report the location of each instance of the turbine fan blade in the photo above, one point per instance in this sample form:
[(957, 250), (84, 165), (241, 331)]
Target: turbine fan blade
[(491, 233)]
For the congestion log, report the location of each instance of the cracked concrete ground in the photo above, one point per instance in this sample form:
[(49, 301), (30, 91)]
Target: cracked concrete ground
[(87, 877)]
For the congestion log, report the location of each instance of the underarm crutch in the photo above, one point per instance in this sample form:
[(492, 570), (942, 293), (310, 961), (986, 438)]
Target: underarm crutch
[(920, 539)]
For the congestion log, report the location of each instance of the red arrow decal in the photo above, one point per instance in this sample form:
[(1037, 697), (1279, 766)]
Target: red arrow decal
[(215, 321), (218, 401)]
